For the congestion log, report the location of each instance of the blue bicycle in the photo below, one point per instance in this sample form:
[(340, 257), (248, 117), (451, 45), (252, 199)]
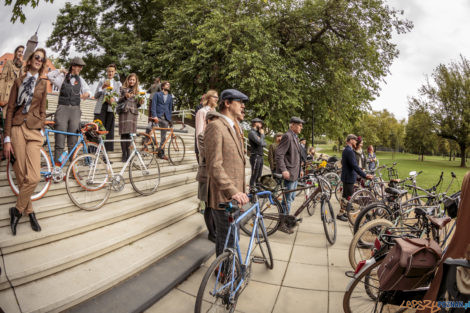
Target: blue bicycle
[(229, 275), (54, 171)]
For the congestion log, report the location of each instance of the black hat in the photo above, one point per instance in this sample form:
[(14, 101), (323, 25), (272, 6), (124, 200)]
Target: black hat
[(297, 120), (302, 139), (256, 120), (77, 61), (233, 94)]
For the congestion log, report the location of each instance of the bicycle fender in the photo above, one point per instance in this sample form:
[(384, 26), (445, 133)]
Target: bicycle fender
[(368, 264)]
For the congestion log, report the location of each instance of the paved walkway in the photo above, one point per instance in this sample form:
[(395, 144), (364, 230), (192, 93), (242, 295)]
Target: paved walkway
[(308, 274)]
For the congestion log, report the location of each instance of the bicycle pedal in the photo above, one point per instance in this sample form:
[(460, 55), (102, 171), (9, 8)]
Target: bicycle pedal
[(258, 260)]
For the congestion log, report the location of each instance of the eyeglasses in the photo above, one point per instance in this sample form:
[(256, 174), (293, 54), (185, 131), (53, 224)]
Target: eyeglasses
[(215, 97), (37, 57)]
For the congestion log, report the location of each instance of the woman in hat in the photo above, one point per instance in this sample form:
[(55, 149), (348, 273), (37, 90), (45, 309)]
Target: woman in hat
[(68, 114), (128, 105), (23, 139)]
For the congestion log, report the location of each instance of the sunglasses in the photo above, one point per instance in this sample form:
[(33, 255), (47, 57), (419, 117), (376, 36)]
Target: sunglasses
[(37, 57)]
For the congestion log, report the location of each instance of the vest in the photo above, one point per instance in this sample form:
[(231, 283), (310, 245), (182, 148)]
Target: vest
[(70, 94)]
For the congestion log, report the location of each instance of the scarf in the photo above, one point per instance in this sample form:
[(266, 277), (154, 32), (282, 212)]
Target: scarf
[(25, 93)]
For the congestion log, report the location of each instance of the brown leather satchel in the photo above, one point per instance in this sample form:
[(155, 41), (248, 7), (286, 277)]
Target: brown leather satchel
[(408, 263)]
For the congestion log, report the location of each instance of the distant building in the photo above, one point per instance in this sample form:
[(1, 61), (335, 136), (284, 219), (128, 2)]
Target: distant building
[(49, 67)]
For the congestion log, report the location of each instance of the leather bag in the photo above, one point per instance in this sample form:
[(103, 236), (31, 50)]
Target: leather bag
[(408, 263)]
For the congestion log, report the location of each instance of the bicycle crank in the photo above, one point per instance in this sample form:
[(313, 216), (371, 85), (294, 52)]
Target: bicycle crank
[(118, 182), (291, 221)]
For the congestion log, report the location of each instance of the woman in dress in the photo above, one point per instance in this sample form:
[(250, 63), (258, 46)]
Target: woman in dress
[(23, 139), (128, 110)]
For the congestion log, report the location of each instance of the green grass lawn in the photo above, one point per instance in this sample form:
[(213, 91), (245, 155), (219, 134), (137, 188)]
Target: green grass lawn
[(432, 166)]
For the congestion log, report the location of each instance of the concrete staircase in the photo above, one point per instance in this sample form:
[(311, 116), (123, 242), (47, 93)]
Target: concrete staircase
[(79, 254)]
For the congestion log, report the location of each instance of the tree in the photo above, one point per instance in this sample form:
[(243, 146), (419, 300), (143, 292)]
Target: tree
[(18, 7), (420, 138), (286, 55), (448, 98)]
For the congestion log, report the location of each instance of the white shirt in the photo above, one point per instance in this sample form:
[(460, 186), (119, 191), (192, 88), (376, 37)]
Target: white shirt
[(57, 79)]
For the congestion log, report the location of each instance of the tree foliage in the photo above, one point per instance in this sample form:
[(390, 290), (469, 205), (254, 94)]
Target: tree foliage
[(19, 5), (448, 98), (286, 55), (420, 137)]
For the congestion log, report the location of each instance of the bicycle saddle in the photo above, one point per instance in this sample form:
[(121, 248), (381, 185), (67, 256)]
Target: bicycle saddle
[(440, 222), (276, 175), (395, 191)]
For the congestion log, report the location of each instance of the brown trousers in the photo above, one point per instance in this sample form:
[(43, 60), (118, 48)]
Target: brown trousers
[(27, 148)]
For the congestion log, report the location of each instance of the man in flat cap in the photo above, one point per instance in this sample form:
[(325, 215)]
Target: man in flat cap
[(272, 151), (348, 174), (225, 161), (68, 114), (288, 162), (257, 143)]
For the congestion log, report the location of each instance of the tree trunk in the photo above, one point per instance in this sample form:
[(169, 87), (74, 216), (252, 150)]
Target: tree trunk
[(463, 147)]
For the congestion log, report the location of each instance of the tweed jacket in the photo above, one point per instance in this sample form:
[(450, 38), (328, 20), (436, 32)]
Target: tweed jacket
[(36, 115), (100, 93), (288, 155), (225, 162)]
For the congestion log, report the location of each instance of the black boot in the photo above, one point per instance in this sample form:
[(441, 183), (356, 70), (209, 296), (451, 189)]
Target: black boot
[(34, 222), (124, 152), (15, 216)]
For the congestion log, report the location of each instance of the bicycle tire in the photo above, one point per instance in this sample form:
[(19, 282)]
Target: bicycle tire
[(359, 200), (358, 241), (224, 261), (176, 150), (145, 182), (267, 255), (371, 212), (328, 217), (95, 194), (339, 191), (44, 183), (274, 217), (312, 205)]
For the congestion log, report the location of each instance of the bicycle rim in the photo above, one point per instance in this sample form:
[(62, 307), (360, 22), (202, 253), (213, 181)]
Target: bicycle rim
[(176, 150), (44, 182), (88, 183), (144, 177), (329, 221), (263, 245), (217, 285), (359, 200)]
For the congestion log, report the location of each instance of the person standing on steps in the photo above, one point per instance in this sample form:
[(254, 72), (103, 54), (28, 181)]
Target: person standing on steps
[(72, 88), (225, 161), (349, 172), (257, 144), (160, 111), (128, 110), (25, 119), (288, 162), (272, 152), (104, 108), (155, 87), (11, 71)]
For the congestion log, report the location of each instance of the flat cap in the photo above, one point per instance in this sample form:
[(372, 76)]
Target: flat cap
[(212, 114), (233, 94), (77, 61), (297, 120), (350, 137), (279, 134), (256, 120)]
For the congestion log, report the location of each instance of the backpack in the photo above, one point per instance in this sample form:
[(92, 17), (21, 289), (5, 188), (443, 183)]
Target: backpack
[(408, 263)]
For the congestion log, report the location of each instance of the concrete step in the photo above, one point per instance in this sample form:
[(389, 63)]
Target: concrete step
[(62, 290), (69, 224), (63, 254)]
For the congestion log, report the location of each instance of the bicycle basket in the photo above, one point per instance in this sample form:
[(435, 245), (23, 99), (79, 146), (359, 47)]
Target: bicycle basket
[(92, 135), (267, 182)]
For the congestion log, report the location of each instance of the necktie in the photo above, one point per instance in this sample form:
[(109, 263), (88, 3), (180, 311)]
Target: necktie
[(239, 133)]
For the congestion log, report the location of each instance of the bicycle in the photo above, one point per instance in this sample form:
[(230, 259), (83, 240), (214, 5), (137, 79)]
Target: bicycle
[(54, 173), (89, 185), (176, 147), (229, 275)]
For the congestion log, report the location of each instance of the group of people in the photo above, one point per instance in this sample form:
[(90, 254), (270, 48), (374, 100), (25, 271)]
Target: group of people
[(23, 97)]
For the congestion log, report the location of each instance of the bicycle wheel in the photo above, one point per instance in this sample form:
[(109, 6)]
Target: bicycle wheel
[(176, 150), (216, 292), (333, 179), (312, 205), (88, 182), (372, 212), (329, 221), (362, 243), (263, 245), (271, 213), (359, 200), (339, 191), (44, 182), (144, 173)]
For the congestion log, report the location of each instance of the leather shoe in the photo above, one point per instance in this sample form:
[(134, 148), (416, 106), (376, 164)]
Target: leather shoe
[(15, 216), (34, 222)]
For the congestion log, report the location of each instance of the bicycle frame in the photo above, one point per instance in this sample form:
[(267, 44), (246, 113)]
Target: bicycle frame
[(167, 138), (70, 153)]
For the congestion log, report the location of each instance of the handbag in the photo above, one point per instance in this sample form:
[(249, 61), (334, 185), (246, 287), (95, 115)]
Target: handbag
[(408, 263)]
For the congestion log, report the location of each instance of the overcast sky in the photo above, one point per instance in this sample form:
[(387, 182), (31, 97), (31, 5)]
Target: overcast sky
[(440, 35)]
